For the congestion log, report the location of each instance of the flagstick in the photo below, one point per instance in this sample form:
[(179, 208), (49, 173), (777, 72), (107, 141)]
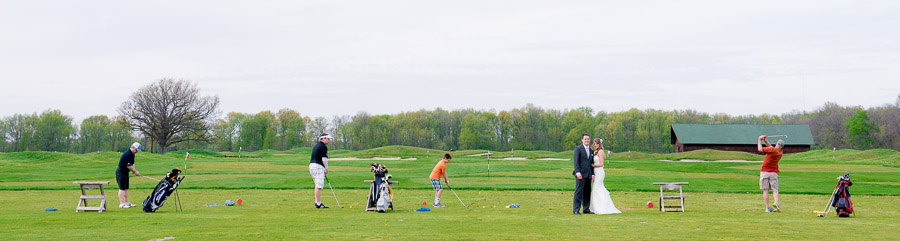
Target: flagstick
[(489, 164), (186, 155)]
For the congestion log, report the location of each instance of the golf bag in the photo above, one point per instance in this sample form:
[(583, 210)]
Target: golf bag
[(381, 195), (385, 195), (162, 191), (841, 200)]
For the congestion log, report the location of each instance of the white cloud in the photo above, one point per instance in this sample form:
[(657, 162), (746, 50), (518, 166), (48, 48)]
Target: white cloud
[(324, 58)]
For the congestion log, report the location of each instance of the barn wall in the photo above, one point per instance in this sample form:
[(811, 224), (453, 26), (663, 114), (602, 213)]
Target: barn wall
[(679, 147), (743, 148)]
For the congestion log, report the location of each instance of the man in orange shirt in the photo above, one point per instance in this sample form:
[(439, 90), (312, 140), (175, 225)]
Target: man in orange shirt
[(768, 174), (439, 170)]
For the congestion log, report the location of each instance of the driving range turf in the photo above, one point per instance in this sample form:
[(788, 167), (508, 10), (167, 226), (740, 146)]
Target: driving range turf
[(722, 200)]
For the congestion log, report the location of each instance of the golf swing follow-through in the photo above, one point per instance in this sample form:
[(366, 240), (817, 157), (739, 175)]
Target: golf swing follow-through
[(768, 173)]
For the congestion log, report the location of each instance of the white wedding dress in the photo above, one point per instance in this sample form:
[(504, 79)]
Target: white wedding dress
[(601, 203)]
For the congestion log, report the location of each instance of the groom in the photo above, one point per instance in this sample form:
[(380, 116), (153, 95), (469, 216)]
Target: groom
[(584, 174)]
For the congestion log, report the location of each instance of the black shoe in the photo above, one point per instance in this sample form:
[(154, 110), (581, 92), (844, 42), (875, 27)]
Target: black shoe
[(576, 213), (321, 206), (588, 212)]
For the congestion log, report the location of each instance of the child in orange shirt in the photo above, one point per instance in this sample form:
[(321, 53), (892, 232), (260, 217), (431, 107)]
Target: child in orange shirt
[(439, 170)]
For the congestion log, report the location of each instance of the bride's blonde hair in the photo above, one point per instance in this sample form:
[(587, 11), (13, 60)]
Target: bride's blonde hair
[(597, 141)]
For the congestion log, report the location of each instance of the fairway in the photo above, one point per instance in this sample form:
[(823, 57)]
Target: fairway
[(723, 201)]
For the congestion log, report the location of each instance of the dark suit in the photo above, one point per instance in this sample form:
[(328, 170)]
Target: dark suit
[(583, 159)]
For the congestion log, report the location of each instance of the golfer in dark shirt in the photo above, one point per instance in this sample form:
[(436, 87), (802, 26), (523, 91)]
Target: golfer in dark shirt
[(318, 166), (126, 164)]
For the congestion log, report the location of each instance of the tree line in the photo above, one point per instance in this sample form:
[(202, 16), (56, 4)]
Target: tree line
[(53, 131), (526, 128)]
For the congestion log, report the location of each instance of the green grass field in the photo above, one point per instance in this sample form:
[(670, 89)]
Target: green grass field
[(723, 201)]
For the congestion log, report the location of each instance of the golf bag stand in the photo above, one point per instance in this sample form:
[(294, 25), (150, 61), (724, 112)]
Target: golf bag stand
[(841, 202), (163, 190)]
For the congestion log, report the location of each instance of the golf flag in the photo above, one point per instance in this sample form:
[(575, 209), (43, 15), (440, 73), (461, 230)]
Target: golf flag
[(187, 154)]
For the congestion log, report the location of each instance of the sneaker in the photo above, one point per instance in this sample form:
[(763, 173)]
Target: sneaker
[(321, 206), (124, 205), (437, 205), (777, 208), (131, 204), (769, 209)]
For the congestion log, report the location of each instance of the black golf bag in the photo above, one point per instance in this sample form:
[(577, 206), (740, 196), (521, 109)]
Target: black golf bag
[(162, 191), (841, 200)]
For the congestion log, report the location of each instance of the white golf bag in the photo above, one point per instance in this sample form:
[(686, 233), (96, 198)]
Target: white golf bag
[(385, 195)]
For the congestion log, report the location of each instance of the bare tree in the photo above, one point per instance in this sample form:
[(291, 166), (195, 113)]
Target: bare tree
[(337, 127), (171, 111), (316, 127)]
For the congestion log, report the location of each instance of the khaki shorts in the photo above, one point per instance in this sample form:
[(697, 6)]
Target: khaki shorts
[(768, 180)]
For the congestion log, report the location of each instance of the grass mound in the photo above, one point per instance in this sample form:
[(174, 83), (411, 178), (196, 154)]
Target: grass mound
[(36, 156), (196, 152), (705, 154), (885, 157), (297, 150), (393, 151)]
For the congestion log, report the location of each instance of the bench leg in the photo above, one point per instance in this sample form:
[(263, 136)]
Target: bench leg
[(83, 193), (662, 203)]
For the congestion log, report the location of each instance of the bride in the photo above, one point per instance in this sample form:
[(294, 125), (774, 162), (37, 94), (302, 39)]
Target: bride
[(601, 203)]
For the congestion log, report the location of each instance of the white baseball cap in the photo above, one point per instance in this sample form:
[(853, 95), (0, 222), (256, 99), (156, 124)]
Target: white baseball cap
[(136, 146)]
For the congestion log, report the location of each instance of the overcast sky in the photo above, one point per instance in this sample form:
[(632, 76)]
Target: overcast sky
[(324, 58)]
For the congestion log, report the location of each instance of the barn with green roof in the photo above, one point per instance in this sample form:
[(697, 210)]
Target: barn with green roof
[(739, 137)]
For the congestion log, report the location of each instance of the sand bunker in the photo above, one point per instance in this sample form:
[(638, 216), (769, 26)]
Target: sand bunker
[(372, 159), (693, 160), (514, 158), (482, 154), (553, 159)]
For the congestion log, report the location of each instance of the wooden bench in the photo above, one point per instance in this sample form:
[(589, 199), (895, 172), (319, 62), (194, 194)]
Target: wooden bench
[(662, 198), (85, 197)]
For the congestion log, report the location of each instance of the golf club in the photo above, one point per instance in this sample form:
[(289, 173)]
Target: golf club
[(785, 136), (150, 178), (827, 206), (332, 192), (457, 196)]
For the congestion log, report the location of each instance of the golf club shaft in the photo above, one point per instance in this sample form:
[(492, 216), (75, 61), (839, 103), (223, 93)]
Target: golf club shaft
[(785, 136), (332, 192), (457, 196), (828, 205), (150, 178)]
